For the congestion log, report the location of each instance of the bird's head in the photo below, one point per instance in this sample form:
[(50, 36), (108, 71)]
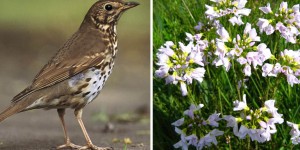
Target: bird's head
[(108, 11)]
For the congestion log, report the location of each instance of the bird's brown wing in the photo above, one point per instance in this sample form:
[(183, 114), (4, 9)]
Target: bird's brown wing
[(54, 73)]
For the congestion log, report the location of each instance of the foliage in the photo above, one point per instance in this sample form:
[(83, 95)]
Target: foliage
[(222, 84)]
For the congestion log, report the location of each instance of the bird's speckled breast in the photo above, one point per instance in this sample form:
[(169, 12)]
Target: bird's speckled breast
[(87, 85)]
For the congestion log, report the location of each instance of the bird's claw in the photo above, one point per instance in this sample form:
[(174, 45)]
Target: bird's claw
[(68, 146), (94, 147)]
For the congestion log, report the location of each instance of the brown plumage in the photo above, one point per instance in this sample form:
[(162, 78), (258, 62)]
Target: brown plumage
[(78, 71)]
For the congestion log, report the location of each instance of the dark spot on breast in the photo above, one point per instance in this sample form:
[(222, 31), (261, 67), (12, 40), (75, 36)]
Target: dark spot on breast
[(105, 77), (94, 82), (85, 94), (109, 72), (100, 77), (98, 87), (82, 86), (104, 65), (94, 93), (88, 79), (75, 93), (102, 73)]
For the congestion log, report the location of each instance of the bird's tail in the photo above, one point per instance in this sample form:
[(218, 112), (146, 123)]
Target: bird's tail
[(11, 110)]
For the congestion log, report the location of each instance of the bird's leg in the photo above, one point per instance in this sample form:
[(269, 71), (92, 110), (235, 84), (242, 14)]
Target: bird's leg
[(90, 145), (68, 144)]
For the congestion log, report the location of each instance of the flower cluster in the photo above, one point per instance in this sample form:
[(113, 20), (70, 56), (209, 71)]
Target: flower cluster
[(235, 9), (192, 125), (243, 49), (257, 124), (286, 21), (181, 64), (295, 133), (288, 64)]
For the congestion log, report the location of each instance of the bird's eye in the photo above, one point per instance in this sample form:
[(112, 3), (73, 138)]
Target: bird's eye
[(108, 7)]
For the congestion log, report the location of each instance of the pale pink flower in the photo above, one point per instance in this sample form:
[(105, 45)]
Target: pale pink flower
[(183, 88), (178, 123), (238, 105), (267, 68), (224, 36), (247, 70), (283, 7), (262, 24), (199, 26), (236, 20), (198, 74), (292, 79), (266, 9), (213, 119)]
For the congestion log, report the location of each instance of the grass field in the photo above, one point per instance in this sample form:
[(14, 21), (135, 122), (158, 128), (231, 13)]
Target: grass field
[(171, 20)]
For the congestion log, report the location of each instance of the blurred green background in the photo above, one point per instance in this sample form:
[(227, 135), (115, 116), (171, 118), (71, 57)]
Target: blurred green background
[(32, 31)]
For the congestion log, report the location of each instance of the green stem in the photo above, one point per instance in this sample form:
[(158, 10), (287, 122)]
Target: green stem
[(188, 11)]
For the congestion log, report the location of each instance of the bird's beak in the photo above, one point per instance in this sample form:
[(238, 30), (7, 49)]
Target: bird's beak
[(129, 5)]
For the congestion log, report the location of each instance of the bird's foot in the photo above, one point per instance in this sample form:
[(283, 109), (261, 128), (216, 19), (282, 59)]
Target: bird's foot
[(94, 147), (68, 145)]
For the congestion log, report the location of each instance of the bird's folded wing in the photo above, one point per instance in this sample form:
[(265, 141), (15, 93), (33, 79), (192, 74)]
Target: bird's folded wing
[(53, 74)]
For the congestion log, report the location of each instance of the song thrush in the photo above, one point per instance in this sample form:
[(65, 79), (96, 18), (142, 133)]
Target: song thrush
[(78, 71)]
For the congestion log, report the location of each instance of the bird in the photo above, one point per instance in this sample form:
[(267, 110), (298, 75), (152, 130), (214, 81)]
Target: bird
[(75, 75)]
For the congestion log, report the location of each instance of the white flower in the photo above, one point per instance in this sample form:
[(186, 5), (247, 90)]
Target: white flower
[(223, 62), (270, 107), (266, 9), (163, 59), (231, 121), (272, 121), (187, 48), (189, 37), (236, 20), (167, 49), (283, 7), (242, 60), (192, 140), (211, 137), (255, 135), (269, 29), (242, 132), (295, 129), (192, 109), (178, 131), (162, 72), (252, 33), (247, 70), (292, 79), (264, 52), (267, 68), (182, 143), (244, 11), (199, 26), (223, 34), (295, 133), (239, 3), (238, 105), (277, 69), (171, 79), (183, 88), (262, 24), (178, 122), (211, 12), (213, 119), (198, 74)]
